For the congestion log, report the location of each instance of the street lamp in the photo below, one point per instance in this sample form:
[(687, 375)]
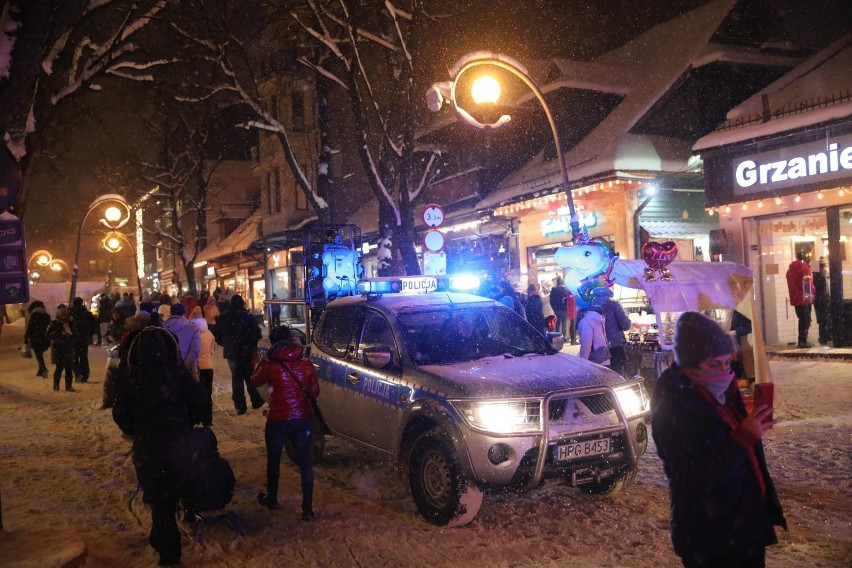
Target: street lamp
[(112, 243), (487, 90), (115, 216), (44, 259)]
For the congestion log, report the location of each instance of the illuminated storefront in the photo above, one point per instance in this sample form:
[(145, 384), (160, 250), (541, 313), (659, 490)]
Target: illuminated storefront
[(779, 196)]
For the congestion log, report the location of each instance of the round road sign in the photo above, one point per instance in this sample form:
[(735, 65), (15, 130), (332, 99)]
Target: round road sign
[(433, 215), (434, 240)]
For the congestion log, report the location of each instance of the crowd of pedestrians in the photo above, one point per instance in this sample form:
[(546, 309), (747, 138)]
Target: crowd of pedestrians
[(159, 385)]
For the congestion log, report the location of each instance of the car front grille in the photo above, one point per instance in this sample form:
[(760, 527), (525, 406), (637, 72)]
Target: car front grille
[(596, 403)]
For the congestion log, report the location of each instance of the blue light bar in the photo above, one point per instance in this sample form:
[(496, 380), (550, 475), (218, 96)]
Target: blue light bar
[(380, 286), (464, 282)]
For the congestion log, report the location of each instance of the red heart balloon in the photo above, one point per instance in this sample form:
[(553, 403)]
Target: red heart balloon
[(659, 255)]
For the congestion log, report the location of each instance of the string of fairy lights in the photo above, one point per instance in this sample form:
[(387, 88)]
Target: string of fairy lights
[(780, 201), (558, 195)]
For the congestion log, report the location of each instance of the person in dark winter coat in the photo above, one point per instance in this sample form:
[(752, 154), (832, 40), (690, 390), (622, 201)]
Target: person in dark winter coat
[(535, 309), (36, 334), (83, 324), (559, 302), (292, 385), (157, 405), (238, 334), (62, 348), (507, 296), (822, 303), (616, 323), (723, 502), (105, 306)]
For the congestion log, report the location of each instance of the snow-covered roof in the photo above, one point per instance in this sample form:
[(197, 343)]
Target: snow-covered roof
[(826, 74), (237, 241), (656, 60)]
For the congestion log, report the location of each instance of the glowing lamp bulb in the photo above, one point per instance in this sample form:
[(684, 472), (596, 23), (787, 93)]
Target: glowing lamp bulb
[(798, 199), (760, 204), (56, 267), (777, 201), (728, 209), (485, 90), (112, 244), (819, 195), (43, 260), (112, 214)]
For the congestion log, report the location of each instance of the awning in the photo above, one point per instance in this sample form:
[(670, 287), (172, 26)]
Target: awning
[(237, 241)]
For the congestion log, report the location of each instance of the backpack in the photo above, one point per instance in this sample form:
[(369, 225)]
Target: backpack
[(206, 481)]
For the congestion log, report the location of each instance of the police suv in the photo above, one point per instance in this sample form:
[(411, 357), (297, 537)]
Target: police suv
[(469, 397)]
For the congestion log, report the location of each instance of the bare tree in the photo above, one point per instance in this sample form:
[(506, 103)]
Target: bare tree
[(57, 50), (361, 52), (182, 175)]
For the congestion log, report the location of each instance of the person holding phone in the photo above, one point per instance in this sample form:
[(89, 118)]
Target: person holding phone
[(723, 503)]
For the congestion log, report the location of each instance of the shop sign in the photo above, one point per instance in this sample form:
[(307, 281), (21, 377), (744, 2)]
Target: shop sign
[(563, 225), (825, 160)]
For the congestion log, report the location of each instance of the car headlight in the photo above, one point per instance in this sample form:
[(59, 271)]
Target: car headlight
[(633, 399), (501, 417)]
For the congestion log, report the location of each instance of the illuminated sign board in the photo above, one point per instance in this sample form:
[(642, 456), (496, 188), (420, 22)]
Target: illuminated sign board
[(824, 160), (562, 224)]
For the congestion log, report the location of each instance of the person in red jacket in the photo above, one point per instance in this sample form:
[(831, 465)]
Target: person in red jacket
[(292, 385), (800, 285)]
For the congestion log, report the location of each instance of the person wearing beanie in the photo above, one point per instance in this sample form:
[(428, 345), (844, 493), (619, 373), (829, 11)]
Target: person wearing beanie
[(238, 334), (62, 347), (36, 334), (723, 503), (616, 323)]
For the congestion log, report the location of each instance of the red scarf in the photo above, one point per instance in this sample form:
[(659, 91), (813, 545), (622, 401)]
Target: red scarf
[(733, 417)]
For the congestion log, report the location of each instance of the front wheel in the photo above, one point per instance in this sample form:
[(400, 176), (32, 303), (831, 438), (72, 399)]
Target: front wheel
[(614, 484), (442, 495)]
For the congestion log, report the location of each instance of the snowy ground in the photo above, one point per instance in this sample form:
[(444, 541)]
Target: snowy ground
[(67, 487)]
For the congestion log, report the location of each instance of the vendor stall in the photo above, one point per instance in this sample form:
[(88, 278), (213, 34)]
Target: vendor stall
[(713, 288)]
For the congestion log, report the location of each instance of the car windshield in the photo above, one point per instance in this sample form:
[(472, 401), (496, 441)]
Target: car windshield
[(455, 335)]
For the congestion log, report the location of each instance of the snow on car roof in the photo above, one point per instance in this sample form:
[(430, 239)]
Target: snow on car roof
[(398, 303)]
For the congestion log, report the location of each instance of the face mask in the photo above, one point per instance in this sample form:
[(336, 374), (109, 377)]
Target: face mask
[(717, 382)]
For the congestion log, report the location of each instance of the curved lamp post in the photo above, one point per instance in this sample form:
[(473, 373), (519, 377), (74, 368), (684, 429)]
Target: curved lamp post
[(486, 89), (45, 261), (116, 214), (112, 243)]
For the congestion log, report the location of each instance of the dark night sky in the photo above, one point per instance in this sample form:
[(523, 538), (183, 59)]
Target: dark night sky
[(107, 128)]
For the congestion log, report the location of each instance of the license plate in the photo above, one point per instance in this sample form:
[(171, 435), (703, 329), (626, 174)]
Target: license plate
[(582, 449)]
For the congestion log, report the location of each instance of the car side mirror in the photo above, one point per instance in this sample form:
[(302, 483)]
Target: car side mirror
[(557, 340), (378, 357)]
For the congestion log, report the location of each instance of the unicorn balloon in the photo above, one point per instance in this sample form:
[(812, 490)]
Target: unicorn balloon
[(589, 263)]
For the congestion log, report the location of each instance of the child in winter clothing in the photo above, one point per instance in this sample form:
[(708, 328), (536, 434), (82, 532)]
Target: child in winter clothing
[(62, 347), (205, 362)]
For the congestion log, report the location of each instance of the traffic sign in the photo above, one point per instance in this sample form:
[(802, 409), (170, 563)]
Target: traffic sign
[(434, 240), (433, 215)]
